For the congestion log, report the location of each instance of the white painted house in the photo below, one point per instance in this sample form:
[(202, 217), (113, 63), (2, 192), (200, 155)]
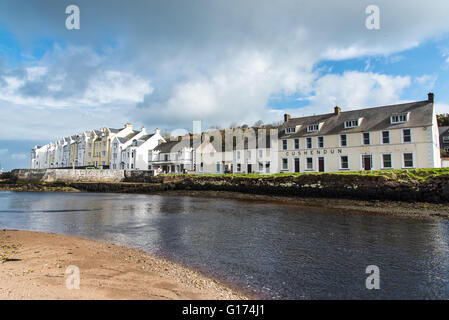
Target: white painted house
[(119, 144), (82, 140), (135, 156), (172, 157)]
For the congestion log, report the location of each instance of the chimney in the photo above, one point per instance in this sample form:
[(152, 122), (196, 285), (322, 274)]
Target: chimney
[(431, 97), (157, 130), (337, 110), (128, 125), (287, 117), (179, 138)]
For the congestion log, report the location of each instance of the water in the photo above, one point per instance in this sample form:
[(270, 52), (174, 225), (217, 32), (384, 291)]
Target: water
[(274, 250)]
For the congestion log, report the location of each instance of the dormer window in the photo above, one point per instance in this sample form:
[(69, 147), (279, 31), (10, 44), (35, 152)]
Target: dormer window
[(290, 130), (351, 124), (399, 118), (313, 128)]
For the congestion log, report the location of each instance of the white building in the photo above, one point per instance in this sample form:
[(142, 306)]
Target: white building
[(135, 156), (119, 144), (172, 157), (400, 136), (81, 144)]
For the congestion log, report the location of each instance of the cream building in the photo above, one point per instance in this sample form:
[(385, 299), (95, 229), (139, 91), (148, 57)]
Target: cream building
[(400, 136)]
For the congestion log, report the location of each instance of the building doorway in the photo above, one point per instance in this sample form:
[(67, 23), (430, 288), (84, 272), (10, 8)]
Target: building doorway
[(297, 165), (321, 164), (367, 162), (250, 168)]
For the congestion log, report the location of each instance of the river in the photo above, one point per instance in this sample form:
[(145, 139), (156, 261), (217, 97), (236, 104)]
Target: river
[(273, 250)]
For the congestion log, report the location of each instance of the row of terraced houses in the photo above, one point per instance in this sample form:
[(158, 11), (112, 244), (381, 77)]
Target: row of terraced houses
[(388, 137)]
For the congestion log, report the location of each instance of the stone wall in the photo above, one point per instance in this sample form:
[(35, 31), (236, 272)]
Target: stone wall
[(350, 186), (67, 175)]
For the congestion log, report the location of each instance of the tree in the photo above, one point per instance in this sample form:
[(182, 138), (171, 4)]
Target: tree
[(443, 120), (258, 123)]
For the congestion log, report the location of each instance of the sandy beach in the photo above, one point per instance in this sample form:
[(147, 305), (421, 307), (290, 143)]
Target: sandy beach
[(33, 266)]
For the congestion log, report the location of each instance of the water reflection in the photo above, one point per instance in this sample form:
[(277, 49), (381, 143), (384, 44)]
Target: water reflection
[(277, 251)]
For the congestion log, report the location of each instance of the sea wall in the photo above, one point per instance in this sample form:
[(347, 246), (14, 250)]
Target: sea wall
[(67, 175), (349, 186)]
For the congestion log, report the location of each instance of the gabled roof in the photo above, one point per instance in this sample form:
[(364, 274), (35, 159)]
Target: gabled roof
[(374, 119)]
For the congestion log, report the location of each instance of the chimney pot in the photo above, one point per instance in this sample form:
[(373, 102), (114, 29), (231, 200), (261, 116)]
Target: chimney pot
[(337, 110), (287, 117), (431, 97)]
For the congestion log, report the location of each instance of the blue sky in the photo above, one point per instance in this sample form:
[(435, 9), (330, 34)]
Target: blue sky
[(164, 64)]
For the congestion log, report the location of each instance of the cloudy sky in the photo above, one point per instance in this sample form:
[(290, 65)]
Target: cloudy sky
[(164, 63)]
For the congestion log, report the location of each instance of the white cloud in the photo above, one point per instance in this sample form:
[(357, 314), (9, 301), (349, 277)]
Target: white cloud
[(114, 86), (354, 90), (218, 62), (427, 81)]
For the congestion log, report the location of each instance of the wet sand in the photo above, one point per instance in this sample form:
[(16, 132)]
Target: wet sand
[(33, 266)]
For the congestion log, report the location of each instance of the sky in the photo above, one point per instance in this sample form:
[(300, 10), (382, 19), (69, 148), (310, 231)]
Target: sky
[(163, 64)]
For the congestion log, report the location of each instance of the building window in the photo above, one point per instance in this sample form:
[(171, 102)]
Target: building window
[(309, 163), (313, 127), (408, 160), (407, 135), (239, 167), (90, 155), (399, 118), (343, 140), (132, 166), (296, 143), (320, 142), (386, 161), (284, 164), (104, 153), (104, 144), (284, 144), (103, 162), (309, 143), (446, 139), (366, 138), (344, 162), (385, 137), (290, 130), (202, 166), (351, 124)]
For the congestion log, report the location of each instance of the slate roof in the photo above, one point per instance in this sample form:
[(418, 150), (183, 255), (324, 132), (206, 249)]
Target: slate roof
[(374, 119)]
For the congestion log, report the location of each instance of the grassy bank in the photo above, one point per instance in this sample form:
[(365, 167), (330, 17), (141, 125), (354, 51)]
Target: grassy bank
[(391, 174)]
